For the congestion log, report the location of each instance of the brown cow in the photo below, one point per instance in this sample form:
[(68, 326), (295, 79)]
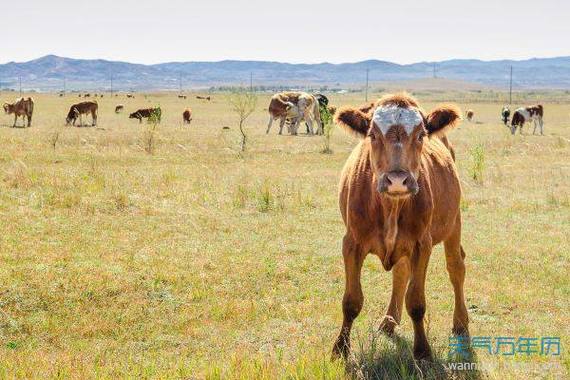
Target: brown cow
[(181, 96), (21, 107), (83, 108), (470, 115), (130, 96), (399, 196), (295, 107), (204, 97), (187, 116), (524, 114), (119, 108), (146, 113)]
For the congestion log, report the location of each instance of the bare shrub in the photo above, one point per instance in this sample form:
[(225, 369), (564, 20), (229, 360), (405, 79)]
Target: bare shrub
[(242, 103)]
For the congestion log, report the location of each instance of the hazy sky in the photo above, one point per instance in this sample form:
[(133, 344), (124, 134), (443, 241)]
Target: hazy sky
[(295, 31)]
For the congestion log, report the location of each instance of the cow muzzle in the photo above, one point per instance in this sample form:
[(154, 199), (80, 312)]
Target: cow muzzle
[(398, 184)]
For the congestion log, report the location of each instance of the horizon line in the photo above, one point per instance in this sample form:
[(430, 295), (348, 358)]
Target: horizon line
[(288, 63)]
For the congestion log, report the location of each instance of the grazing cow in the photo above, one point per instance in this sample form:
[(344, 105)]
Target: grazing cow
[(119, 108), (470, 115), (21, 107), (86, 95), (130, 96), (399, 196), (187, 116), (79, 95), (524, 114), (60, 95), (505, 114), (145, 113), (295, 106), (78, 110), (282, 109), (181, 96), (203, 97)]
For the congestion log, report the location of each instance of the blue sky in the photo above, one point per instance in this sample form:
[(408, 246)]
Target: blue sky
[(294, 31)]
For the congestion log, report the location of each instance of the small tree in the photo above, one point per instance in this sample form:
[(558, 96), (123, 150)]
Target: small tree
[(243, 103), (150, 133), (328, 126)]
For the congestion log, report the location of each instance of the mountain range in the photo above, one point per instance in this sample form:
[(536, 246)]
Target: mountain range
[(53, 73)]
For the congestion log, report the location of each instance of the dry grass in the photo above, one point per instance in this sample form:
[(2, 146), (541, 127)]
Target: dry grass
[(196, 261)]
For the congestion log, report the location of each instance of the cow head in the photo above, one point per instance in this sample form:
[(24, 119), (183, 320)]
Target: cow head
[(72, 115), (134, 115), (396, 130), (7, 108)]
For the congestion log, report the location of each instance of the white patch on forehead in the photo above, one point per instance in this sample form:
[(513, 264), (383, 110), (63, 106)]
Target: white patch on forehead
[(387, 116)]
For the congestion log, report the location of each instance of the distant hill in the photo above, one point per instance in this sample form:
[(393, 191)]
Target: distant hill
[(48, 73)]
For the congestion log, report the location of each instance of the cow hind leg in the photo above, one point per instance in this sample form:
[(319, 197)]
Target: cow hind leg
[(400, 278), (29, 120), (281, 124), (353, 298), (455, 262)]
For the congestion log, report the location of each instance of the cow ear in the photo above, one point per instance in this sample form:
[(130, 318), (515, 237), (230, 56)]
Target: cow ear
[(442, 119), (353, 121)]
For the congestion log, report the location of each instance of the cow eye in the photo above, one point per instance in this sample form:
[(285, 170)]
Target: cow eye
[(372, 137), (421, 136)]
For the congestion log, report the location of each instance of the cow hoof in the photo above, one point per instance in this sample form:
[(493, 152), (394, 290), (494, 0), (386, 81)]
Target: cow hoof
[(340, 349), (423, 353), (388, 325), (460, 331)]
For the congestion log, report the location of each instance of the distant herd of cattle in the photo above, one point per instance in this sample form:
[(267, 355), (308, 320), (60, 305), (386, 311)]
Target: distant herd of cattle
[(290, 108)]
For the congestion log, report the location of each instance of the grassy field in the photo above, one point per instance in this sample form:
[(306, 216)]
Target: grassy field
[(199, 262)]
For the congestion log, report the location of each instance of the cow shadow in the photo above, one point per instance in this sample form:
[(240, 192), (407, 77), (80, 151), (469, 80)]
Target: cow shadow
[(14, 127), (381, 357)]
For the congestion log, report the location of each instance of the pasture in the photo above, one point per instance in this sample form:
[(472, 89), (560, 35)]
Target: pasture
[(200, 262)]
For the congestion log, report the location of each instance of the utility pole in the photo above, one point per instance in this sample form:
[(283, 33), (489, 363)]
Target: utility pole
[(111, 84), (20, 78), (180, 82), (366, 90), (64, 86), (511, 87)]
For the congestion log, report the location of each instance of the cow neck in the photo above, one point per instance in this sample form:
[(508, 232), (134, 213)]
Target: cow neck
[(391, 209)]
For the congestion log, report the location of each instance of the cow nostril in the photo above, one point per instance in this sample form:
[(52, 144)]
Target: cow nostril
[(387, 179), (405, 181)]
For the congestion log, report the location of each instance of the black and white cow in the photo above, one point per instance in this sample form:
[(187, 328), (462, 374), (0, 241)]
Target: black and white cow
[(505, 115), (524, 114)]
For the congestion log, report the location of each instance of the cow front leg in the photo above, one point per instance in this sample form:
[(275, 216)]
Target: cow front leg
[(310, 130), (416, 299), (15, 120), (353, 299), (269, 124), (541, 123), (400, 278), (455, 262), (534, 129)]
